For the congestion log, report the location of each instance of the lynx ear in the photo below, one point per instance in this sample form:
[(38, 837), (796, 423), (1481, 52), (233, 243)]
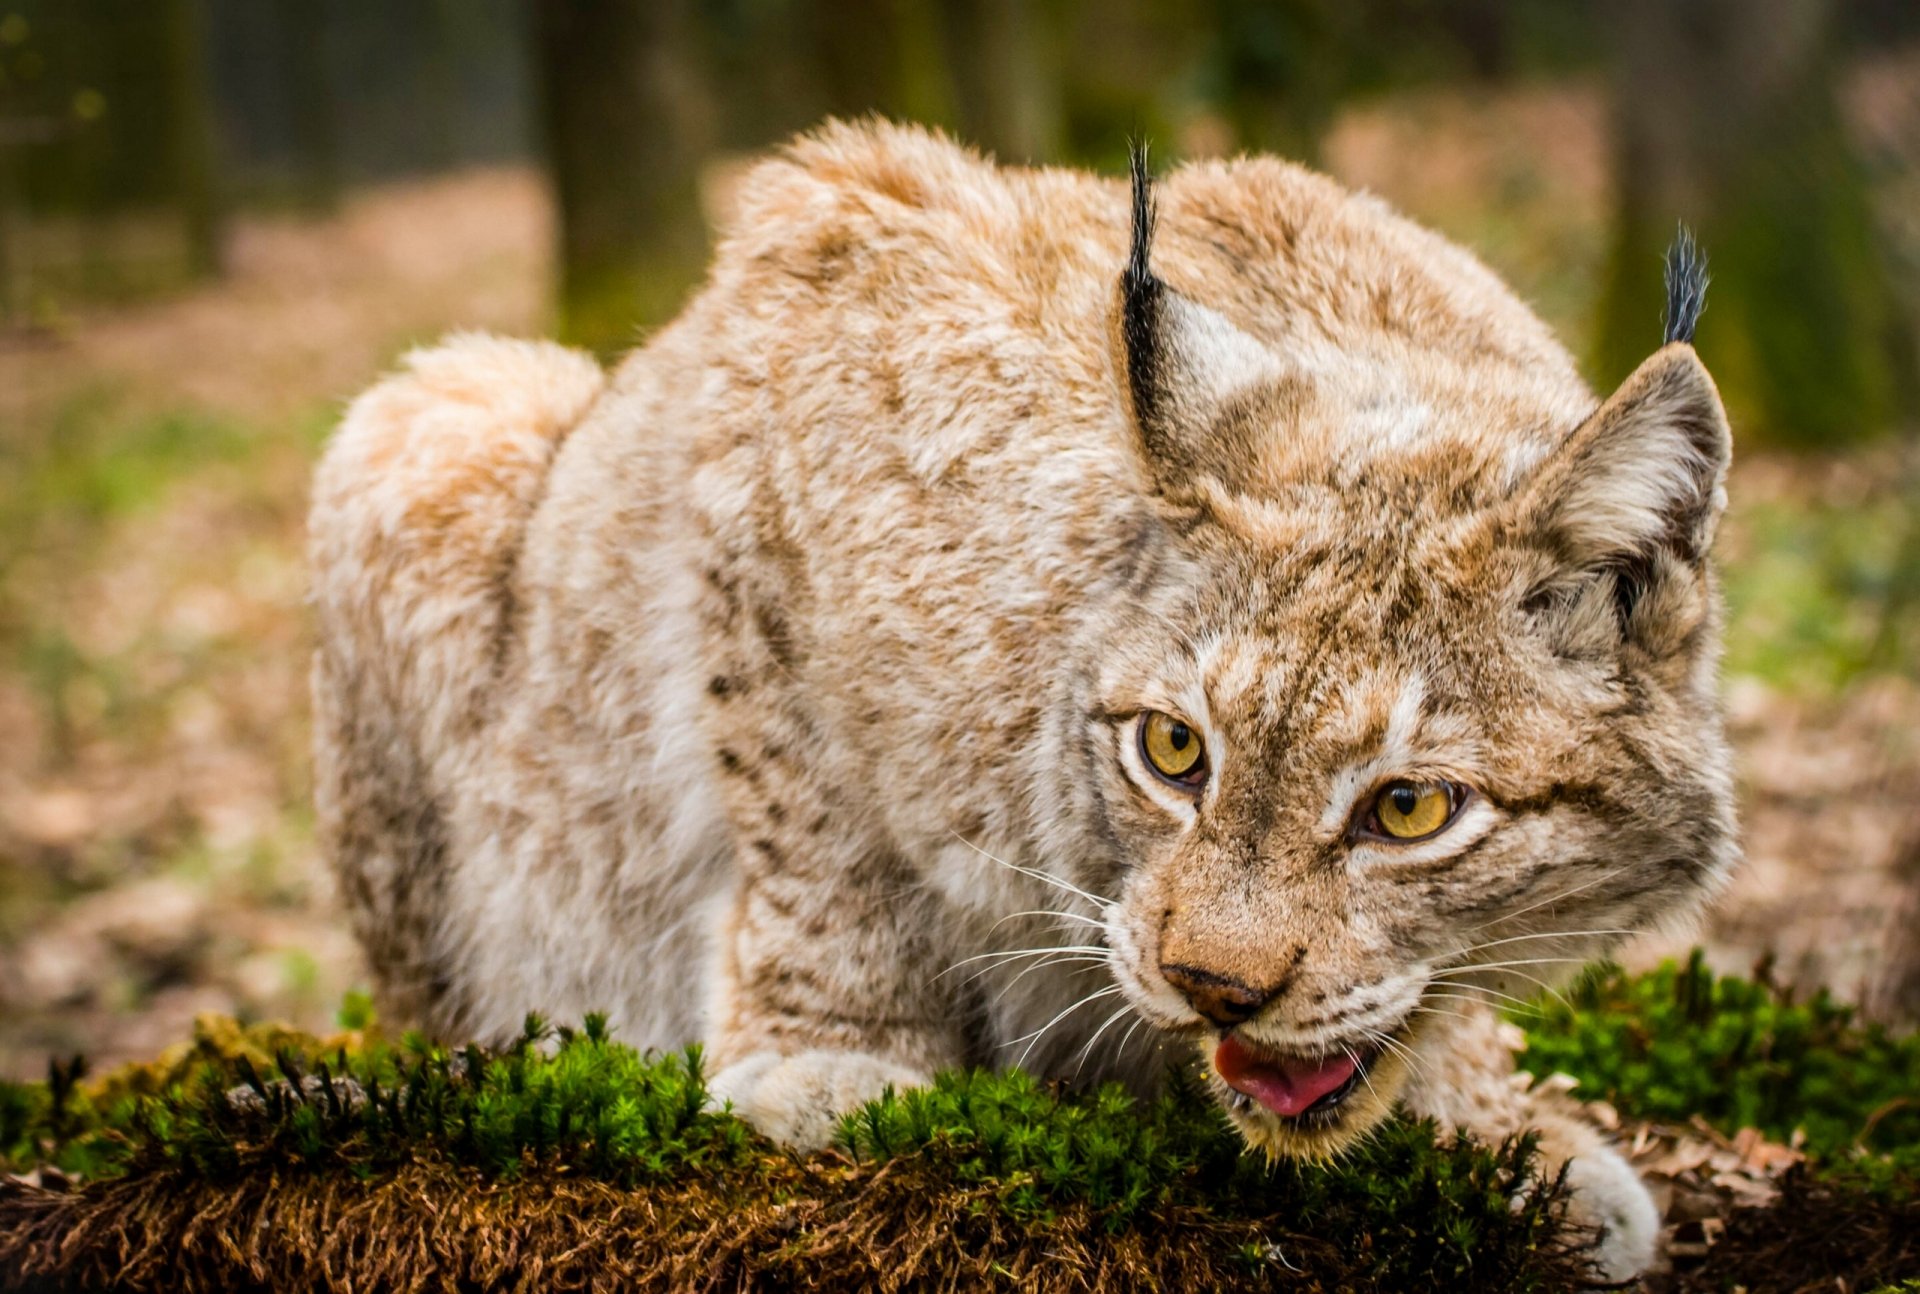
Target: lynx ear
[(1184, 362), (1647, 470), (1634, 497)]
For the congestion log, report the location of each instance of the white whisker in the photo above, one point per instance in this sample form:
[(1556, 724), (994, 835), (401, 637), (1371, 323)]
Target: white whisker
[(1544, 934), (1530, 961), (1399, 1048), (1520, 1002), (1048, 912), (1063, 961), (1009, 953), (1087, 1050), (1033, 1039), (1035, 873), (1361, 1070), (1554, 898), (1444, 1012), (1451, 974), (1554, 992)]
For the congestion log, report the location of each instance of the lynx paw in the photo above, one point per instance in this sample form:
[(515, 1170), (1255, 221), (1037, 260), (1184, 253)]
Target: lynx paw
[(798, 1100), (1607, 1196)]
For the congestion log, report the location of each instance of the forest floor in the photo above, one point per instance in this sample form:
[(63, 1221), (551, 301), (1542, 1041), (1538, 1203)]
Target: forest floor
[(156, 849)]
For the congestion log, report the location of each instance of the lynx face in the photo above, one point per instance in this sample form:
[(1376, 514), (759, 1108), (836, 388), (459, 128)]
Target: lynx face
[(1424, 728)]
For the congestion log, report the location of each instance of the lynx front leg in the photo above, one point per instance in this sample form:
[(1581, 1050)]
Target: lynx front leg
[(824, 999), (827, 990), (1469, 1084)]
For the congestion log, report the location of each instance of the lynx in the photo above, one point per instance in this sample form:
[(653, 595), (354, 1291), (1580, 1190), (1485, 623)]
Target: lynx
[(1012, 616)]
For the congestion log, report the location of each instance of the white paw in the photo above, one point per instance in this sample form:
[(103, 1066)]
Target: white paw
[(798, 1100), (1607, 1195)]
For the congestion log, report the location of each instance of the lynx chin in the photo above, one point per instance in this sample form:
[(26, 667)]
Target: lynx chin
[(1015, 616)]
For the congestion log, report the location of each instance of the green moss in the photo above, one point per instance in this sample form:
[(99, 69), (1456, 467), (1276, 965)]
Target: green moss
[(356, 1010), (1673, 1043), (598, 1106), (1040, 1148), (1680, 1041), (25, 1131)]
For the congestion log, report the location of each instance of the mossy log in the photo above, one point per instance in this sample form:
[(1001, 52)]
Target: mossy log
[(259, 1158)]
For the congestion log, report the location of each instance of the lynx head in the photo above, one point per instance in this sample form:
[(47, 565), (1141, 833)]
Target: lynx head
[(1420, 705)]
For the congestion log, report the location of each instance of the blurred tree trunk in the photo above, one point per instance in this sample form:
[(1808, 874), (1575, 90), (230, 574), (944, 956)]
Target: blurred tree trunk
[(189, 107), (1007, 74), (984, 69), (446, 21), (1283, 66), (302, 26), (1727, 119), (628, 118), (13, 269), (124, 89), (1483, 30), (13, 215), (884, 56)]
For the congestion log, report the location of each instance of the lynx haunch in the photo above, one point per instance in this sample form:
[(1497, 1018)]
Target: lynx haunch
[(1009, 617)]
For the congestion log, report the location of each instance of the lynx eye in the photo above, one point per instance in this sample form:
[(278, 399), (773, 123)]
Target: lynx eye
[(1413, 810), (1172, 749)]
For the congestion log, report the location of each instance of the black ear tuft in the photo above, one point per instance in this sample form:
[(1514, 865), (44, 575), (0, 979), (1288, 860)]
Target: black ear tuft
[(1185, 364), (1141, 293), (1686, 286)]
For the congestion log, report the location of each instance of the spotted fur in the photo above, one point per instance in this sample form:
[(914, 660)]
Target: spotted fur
[(781, 689)]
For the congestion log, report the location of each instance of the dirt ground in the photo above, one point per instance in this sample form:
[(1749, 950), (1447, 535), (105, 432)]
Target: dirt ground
[(156, 853), (156, 857)]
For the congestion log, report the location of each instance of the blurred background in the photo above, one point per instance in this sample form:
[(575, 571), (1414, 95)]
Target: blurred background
[(219, 218)]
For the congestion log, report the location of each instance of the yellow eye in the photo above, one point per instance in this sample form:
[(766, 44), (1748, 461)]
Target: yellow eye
[(1172, 749), (1411, 810)]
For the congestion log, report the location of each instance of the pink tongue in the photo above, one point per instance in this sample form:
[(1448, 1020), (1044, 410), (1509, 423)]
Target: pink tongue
[(1287, 1087)]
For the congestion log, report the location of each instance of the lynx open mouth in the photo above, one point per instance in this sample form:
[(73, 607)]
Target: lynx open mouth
[(1291, 1085)]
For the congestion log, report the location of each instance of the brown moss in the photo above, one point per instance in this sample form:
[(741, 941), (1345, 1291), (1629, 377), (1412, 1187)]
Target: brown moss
[(824, 1225)]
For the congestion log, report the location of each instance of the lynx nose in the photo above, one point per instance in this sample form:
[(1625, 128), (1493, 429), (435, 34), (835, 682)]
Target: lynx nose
[(1220, 998)]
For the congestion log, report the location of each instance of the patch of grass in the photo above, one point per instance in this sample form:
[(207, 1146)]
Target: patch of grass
[(356, 1010), (1820, 593), (62, 486), (1680, 1041), (26, 1131), (95, 462)]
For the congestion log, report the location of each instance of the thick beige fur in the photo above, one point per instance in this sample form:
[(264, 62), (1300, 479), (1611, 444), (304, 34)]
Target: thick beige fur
[(782, 689)]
